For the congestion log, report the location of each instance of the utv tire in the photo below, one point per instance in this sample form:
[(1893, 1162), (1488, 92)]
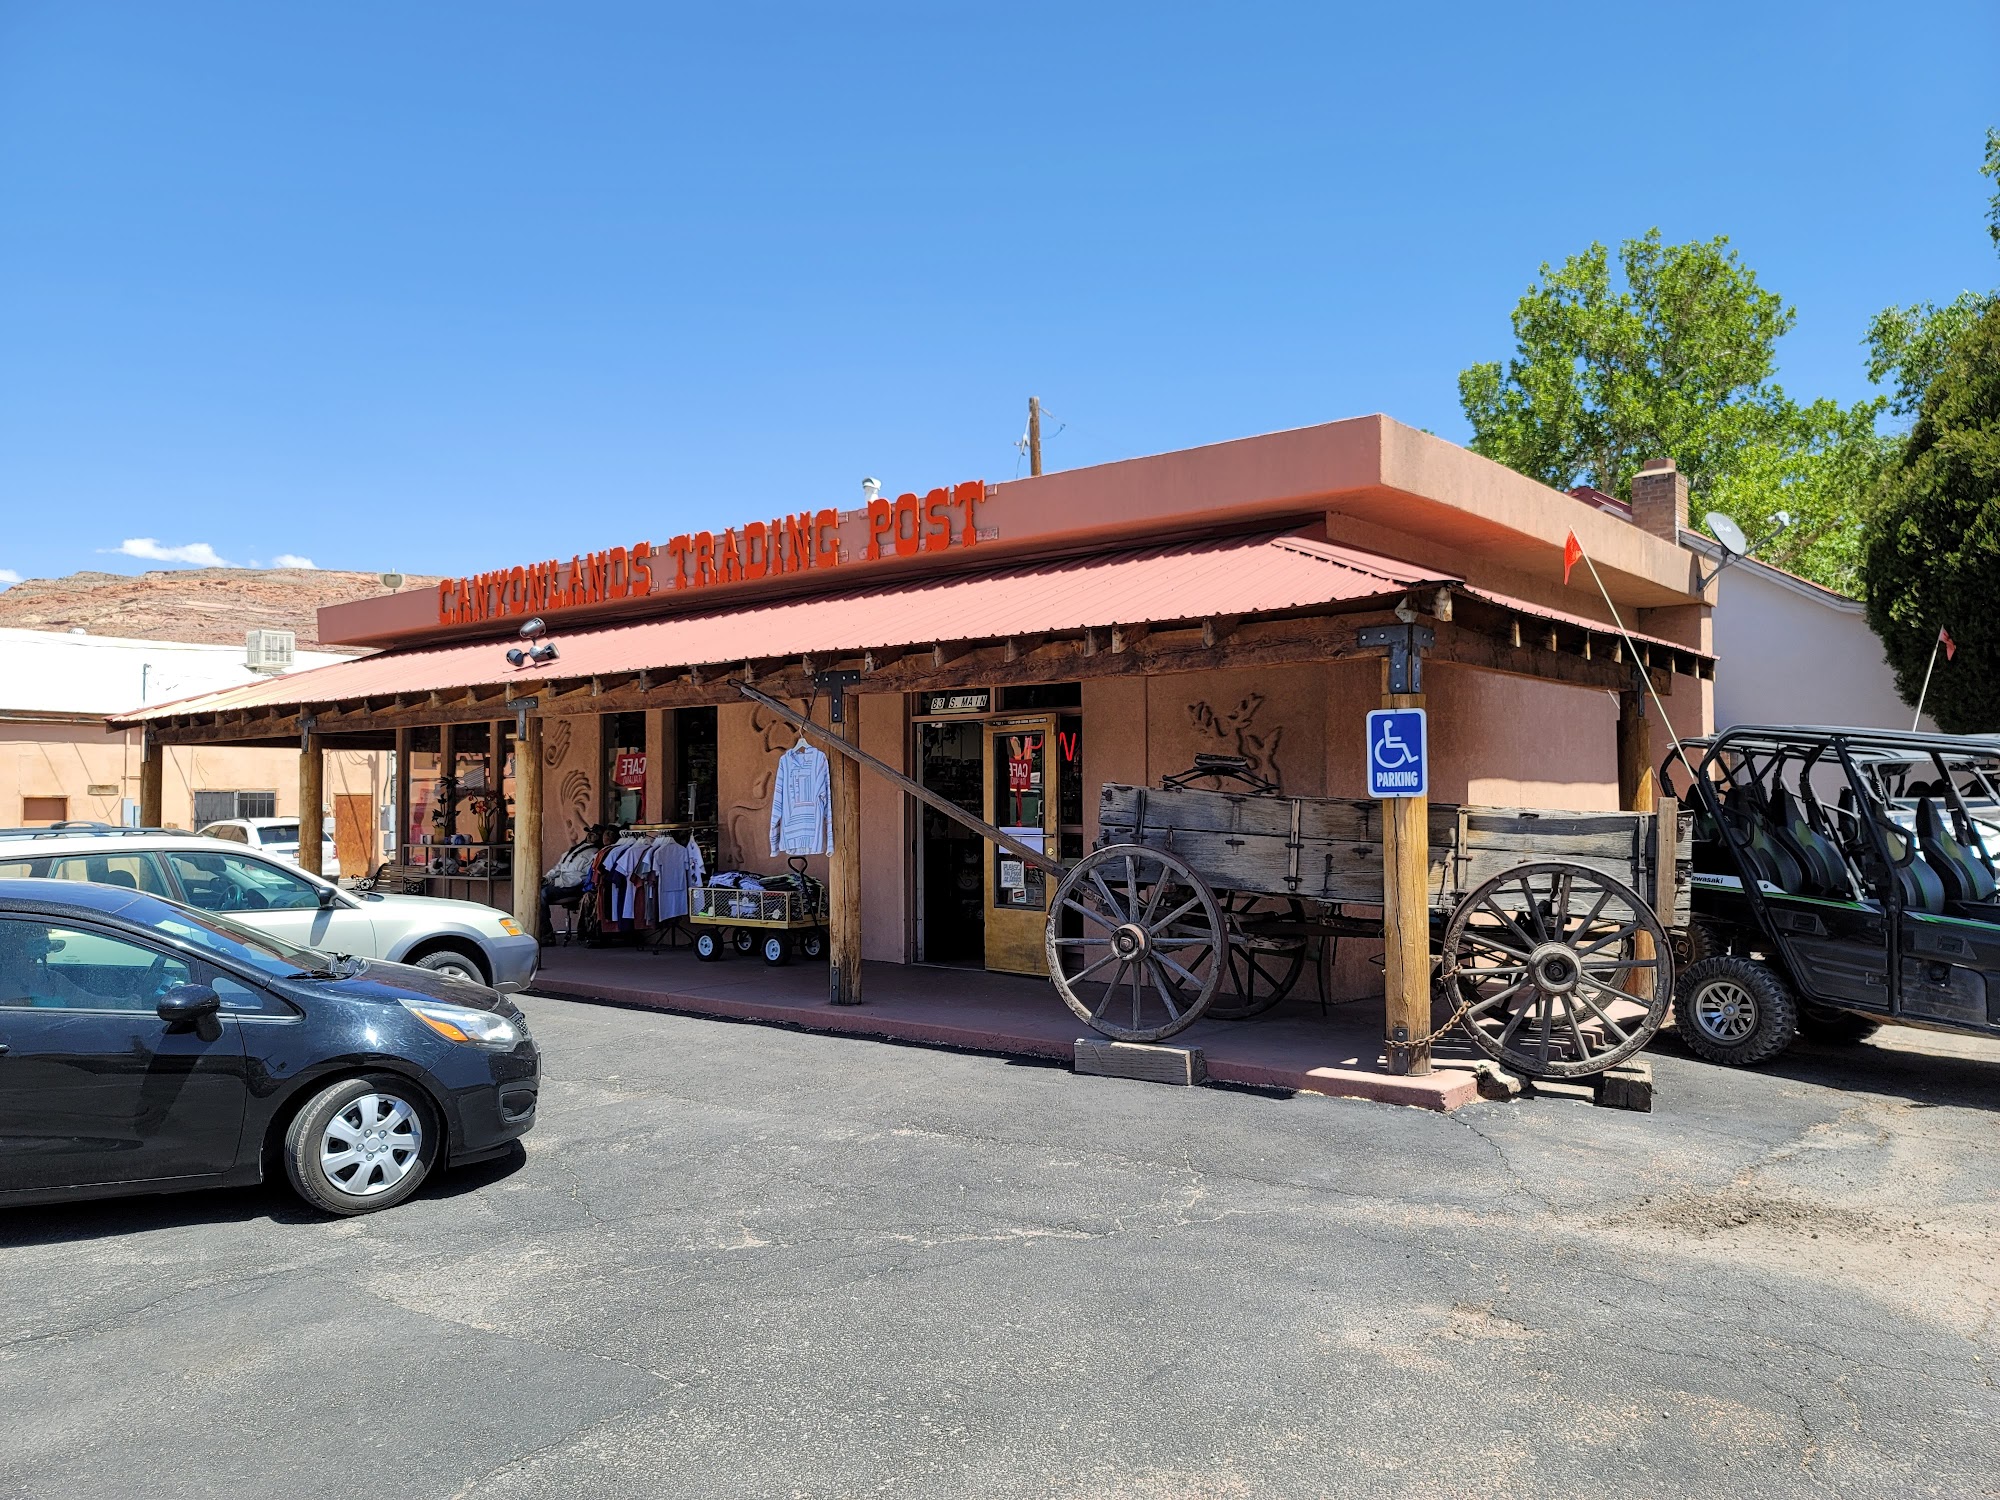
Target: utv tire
[(1734, 1011), (1835, 1028), (362, 1145), (1697, 941)]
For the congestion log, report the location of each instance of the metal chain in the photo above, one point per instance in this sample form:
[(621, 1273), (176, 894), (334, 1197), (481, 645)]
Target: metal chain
[(1456, 1016)]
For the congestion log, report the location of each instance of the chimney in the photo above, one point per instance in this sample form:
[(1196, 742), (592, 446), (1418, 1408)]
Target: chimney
[(1660, 499)]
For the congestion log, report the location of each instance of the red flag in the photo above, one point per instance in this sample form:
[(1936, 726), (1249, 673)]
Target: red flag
[(1572, 550), (1950, 645)]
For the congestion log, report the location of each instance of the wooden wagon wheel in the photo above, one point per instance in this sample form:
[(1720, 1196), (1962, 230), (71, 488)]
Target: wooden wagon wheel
[(1123, 926), (1264, 959), (1563, 971)]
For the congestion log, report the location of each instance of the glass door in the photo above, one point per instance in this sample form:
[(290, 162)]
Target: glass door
[(1020, 798)]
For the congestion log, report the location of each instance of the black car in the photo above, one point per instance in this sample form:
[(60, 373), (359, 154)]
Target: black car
[(146, 1047)]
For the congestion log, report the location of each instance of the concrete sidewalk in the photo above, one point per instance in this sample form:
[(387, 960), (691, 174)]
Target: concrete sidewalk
[(1291, 1047)]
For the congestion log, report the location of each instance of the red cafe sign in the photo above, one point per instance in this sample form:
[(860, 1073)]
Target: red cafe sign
[(902, 527)]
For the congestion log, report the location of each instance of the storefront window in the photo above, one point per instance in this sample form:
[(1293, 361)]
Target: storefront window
[(1069, 785), (694, 765), (624, 768)]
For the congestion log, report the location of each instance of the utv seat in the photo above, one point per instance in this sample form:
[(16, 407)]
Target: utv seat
[(1825, 870), (1970, 889), (1769, 860)]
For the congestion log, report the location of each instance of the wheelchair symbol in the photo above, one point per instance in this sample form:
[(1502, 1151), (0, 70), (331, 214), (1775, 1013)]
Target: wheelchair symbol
[(1391, 754)]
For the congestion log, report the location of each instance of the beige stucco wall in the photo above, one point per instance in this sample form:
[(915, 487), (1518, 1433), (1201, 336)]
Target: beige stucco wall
[(572, 770), (55, 759), (749, 741), (1785, 657)]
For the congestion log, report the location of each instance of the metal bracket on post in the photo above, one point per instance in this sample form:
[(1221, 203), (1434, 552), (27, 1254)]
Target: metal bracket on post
[(307, 723), (835, 685), (1407, 645), (1638, 689), (522, 708)]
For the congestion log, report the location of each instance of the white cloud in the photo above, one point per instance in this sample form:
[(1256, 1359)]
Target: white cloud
[(198, 553), (7, 576), (293, 560)]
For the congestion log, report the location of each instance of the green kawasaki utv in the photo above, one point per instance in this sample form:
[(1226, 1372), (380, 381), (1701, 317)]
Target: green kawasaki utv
[(1844, 879)]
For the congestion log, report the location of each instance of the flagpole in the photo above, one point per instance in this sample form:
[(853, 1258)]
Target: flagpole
[(1936, 646)]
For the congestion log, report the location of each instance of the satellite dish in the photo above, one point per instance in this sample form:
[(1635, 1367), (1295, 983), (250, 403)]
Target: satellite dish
[(1727, 532)]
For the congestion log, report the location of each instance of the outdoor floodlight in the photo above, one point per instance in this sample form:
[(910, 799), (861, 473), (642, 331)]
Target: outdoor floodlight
[(530, 629)]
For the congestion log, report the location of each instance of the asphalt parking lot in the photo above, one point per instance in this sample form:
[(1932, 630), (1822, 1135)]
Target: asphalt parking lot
[(742, 1261)]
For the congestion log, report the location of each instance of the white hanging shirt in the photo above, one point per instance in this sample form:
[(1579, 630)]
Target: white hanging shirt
[(802, 803)]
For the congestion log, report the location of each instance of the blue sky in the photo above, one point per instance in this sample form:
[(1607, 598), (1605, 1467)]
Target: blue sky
[(439, 287)]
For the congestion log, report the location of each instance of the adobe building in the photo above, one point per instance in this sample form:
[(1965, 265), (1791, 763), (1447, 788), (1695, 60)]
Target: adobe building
[(56, 765), (1011, 646)]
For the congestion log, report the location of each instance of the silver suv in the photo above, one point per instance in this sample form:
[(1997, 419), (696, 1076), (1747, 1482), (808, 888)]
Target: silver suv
[(272, 895)]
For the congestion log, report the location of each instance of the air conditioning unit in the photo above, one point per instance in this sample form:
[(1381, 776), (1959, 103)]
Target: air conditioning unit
[(268, 650)]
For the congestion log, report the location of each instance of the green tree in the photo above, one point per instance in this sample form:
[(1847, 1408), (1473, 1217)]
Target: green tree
[(1933, 539), (1819, 470), (1678, 363), (1908, 346)]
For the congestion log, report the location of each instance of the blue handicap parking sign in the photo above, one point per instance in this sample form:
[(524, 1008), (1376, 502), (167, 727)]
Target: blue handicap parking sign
[(1398, 754)]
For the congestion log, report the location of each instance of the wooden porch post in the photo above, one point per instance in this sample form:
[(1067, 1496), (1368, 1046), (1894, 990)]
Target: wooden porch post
[(1406, 917), (312, 786), (528, 827), (152, 780), (402, 794), (1638, 788), (843, 890), (1639, 791)]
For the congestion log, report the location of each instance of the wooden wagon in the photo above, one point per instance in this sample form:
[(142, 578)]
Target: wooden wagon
[(1548, 929)]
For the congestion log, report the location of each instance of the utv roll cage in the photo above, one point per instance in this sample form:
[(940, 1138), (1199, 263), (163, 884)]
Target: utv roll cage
[(1791, 841), (1842, 878)]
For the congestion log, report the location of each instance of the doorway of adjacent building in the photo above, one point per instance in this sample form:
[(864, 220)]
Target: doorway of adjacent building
[(951, 891)]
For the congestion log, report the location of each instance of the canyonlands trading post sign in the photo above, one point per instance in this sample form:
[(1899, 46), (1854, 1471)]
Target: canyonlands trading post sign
[(902, 527)]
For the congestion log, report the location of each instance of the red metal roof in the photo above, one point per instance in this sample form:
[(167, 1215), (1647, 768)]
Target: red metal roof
[(1152, 585)]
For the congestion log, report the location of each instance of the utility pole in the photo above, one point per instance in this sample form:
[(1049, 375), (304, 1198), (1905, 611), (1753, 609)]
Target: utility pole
[(1034, 436)]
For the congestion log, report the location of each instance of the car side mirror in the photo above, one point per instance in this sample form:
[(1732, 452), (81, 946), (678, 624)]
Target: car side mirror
[(326, 895), (186, 1003)]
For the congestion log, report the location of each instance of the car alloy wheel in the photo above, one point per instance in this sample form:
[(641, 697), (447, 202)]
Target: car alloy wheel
[(452, 964), (371, 1144)]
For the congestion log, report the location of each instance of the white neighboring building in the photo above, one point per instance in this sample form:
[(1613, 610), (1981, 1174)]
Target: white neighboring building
[(1790, 652), (58, 763)]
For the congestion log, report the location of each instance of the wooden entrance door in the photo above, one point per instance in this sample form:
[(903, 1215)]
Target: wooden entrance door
[(354, 833), (1021, 798)]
